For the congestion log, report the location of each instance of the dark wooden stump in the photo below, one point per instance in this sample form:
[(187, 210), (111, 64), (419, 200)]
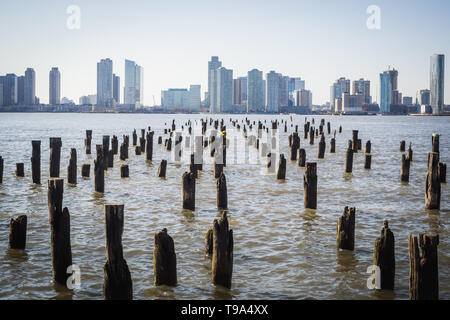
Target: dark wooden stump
[(295, 145), (36, 161), (209, 242), (218, 169), (87, 141), (85, 170), (105, 152), (355, 141), (55, 157), (59, 220), (18, 233), (159, 140), (134, 138), (164, 260), (137, 150), (333, 145), (402, 146), (20, 170), (367, 161), (435, 143), (321, 152), (188, 191), (72, 168), (117, 283), (384, 257), (124, 171), (99, 173), (1, 170), (404, 172), (310, 186), (281, 172), (349, 158), (410, 153), (221, 192), (433, 185), (311, 136), (368, 148), (442, 172), (301, 158), (162, 169), (222, 255), (149, 146), (423, 268), (340, 129), (346, 230)]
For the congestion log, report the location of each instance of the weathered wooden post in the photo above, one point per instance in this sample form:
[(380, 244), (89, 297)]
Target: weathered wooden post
[(346, 230), (402, 146), (221, 192), (85, 170), (281, 172), (99, 173), (333, 145), (1, 170), (310, 186), (20, 170), (55, 156), (159, 140), (72, 168), (209, 242), (435, 143), (349, 158), (384, 257), (222, 253), (355, 141), (36, 161), (149, 146), (124, 171), (87, 141), (433, 185), (295, 145), (188, 191), (60, 231), (328, 127), (301, 158), (134, 138), (311, 135), (410, 153), (137, 150), (164, 260), (115, 145), (404, 172), (368, 148), (340, 129), (117, 283), (442, 172), (105, 152), (162, 169), (321, 152), (423, 268), (18, 233)]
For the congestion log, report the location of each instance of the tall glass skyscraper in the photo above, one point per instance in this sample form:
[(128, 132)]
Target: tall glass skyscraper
[(105, 83), (30, 86), (272, 92), (134, 82), (116, 88), (385, 92), (212, 65), (255, 92), (55, 87), (437, 70), (224, 90)]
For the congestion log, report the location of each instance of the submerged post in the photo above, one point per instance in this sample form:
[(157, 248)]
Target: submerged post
[(310, 186), (346, 230), (85, 170), (99, 173), (124, 171), (55, 156), (384, 256), (188, 191), (221, 192), (18, 233), (1, 170), (321, 152), (87, 141), (433, 185), (281, 172), (20, 170), (404, 172), (301, 158), (349, 158), (162, 169), (72, 169), (164, 260), (117, 283), (222, 255), (36, 161)]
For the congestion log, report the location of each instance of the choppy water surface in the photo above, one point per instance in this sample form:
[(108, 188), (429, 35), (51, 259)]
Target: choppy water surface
[(281, 250)]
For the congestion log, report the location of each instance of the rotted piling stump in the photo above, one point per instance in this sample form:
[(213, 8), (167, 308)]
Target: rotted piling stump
[(404, 172), (402, 146), (72, 168), (340, 129), (433, 184), (368, 148), (346, 230), (159, 140), (310, 186), (442, 172), (162, 169), (295, 145), (137, 150), (222, 255), (124, 171), (85, 170), (188, 191), (99, 173), (332, 145), (1, 170), (301, 158), (423, 268), (59, 220), (18, 233), (410, 153), (149, 146), (117, 283), (209, 242), (55, 156), (20, 170), (321, 151), (221, 192), (355, 141), (328, 128), (384, 256), (311, 136), (105, 152), (435, 143), (281, 172), (349, 158), (134, 137), (36, 161), (367, 161), (87, 141), (164, 260)]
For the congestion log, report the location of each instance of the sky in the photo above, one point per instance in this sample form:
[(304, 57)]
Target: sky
[(173, 40)]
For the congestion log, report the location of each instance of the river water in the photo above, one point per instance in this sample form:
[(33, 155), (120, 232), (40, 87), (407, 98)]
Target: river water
[(281, 250)]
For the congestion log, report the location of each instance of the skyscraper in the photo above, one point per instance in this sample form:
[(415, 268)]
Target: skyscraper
[(116, 88), (237, 92), (424, 97), (255, 91), (385, 92), (283, 96), (272, 92), (9, 89), (55, 87), (212, 65), (134, 82), (194, 97), (437, 70), (339, 87), (30, 86), (21, 90), (105, 83), (223, 91), (295, 84), (243, 81), (362, 87)]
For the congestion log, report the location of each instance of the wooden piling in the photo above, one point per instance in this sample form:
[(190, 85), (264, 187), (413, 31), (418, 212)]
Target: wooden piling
[(99, 173), (20, 170), (59, 220), (295, 145), (209, 242), (87, 141), (134, 138), (311, 135), (433, 185), (368, 148), (221, 192), (410, 153), (164, 260), (162, 169), (349, 158), (188, 191), (384, 257), (124, 171), (355, 141), (402, 146), (346, 230), (85, 170), (435, 143), (55, 157), (18, 233), (117, 283), (301, 158), (115, 145), (137, 150), (423, 268), (332, 145), (36, 161), (310, 186), (321, 151), (1, 170), (367, 161), (222, 255), (404, 172), (281, 172), (149, 146), (72, 168)]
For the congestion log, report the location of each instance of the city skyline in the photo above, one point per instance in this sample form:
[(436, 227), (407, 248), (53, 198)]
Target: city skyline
[(145, 36)]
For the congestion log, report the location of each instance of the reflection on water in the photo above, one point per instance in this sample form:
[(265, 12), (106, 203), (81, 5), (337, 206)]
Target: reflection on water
[(281, 249)]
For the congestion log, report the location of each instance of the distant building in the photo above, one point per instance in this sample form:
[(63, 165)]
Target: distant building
[(237, 92), (30, 87), (339, 87), (294, 85), (272, 92), (303, 98), (175, 99), (21, 90), (362, 87), (385, 92), (437, 71), (54, 87), (9, 84), (212, 65), (255, 91), (116, 88), (88, 100), (352, 103), (194, 98), (224, 88), (134, 81), (423, 97), (105, 83), (407, 101)]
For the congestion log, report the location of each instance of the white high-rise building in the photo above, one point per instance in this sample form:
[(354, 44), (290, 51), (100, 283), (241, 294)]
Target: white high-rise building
[(214, 64), (223, 91), (255, 91), (362, 87), (30, 87), (194, 97), (339, 87), (272, 92), (437, 71), (303, 98), (105, 83), (55, 87), (283, 95), (133, 93)]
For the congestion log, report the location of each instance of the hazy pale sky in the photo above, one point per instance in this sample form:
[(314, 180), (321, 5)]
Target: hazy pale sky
[(318, 40)]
